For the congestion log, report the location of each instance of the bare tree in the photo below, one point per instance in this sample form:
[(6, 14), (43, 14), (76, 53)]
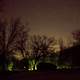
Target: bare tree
[(13, 36), (61, 44), (76, 37), (61, 53), (41, 45), (69, 42)]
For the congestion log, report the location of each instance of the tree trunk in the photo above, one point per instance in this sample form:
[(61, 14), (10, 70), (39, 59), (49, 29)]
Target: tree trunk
[(4, 62)]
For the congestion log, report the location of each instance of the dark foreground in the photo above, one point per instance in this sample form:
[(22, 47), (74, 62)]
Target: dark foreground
[(40, 75)]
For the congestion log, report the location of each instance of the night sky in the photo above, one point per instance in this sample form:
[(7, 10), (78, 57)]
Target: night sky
[(47, 17)]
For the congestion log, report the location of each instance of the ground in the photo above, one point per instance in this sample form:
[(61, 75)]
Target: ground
[(47, 75)]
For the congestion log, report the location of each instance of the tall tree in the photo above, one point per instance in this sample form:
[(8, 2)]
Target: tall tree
[(40, 48), (61, 44), (76, 37), (13, 36), (41, 45)]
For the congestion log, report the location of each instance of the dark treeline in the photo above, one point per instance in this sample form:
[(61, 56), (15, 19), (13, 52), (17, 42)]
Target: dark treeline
[(20, 51)]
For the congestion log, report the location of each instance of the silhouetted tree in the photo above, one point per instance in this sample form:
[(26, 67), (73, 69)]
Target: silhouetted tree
[(76, 37), (64, 57), (61, 44), (13, 36), (69, 42), (41, 46)]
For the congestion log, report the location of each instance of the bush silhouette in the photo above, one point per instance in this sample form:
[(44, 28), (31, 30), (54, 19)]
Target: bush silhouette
[(46, 66), (71, 56)]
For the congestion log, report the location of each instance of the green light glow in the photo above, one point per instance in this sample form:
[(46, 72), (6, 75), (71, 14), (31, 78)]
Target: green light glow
[(63, 67), (10, 66), (32, 65)]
